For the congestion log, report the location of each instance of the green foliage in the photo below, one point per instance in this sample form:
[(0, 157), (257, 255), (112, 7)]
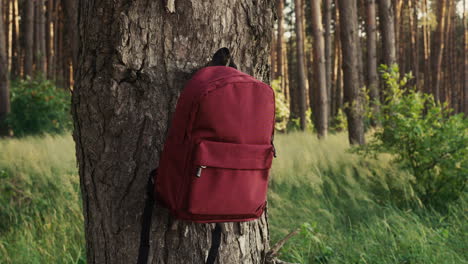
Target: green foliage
[(339, 122), (37, 107), (347, 202), (282, 107), (294, 124), (425, 138)]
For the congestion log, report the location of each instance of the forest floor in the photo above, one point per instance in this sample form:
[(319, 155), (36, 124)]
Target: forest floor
[(349, 209)]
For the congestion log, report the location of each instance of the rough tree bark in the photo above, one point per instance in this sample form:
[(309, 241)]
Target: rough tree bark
[(28, 37), (134, 58), (372, 76), (387, 24), (321, 115), (4, 83), (353, 96), (301, 83)]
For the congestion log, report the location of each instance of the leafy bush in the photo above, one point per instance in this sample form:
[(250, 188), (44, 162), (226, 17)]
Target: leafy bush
[(38, 107), (282, 107), (424, 137)]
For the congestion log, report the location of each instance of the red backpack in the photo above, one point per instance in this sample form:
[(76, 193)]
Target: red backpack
[(216, 159)]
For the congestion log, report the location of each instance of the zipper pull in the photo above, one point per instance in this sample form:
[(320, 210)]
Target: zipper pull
[(199, 170)]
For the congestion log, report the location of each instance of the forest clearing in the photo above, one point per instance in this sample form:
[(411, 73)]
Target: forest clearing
[(234, 131)]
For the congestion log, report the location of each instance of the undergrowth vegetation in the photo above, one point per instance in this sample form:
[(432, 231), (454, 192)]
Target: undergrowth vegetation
[(349, 209)]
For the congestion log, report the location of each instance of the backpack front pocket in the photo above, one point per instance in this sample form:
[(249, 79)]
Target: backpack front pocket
[(229, 179)]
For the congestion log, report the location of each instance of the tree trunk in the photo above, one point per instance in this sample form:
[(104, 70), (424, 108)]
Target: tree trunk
[(465, 53), (328, 53), (439, 48), (337, 94), (387, 24), (40, 37), (320, 67), (7, 30), (352, 91), (28, 37), (427, 48), (4, 83), (279, 43), (397, 10), (301, 84), (413, 6), (15, 58), (372, 76), (134, 58), (48, 38)]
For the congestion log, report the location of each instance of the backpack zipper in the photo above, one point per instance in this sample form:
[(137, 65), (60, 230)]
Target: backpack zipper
[(199, 170)]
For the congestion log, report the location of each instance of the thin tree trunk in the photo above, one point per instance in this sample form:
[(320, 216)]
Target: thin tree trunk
[(352, 92), (301, 87), (397, 9), (439, 42), (292, 80), (4, 82), (40, 38), (134, 60), (320, 68), (387, 24), (328, 53), (372, 76), (338, 92), (49, 38), (15, 58), (28, 37), (465, 53), (427, 48), (7, 31), (279, 43), (413, 6)]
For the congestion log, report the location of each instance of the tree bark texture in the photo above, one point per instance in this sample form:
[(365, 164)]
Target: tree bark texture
[(321, 115), (28, 37), (301, 83), (134, 58), (387, 24), (353, 96), (4, 83), (372, 76)]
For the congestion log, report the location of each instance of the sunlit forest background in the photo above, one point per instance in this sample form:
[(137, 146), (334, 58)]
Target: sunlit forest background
[(371, 132)]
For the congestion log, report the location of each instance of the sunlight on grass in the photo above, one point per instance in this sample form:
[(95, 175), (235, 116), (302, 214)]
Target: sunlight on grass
[(349, 209)]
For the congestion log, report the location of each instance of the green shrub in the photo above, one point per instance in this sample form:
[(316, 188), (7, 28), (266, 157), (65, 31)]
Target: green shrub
[(38, 107), (425, 138)]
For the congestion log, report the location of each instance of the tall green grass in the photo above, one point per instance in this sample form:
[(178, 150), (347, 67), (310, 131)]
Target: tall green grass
[(40, 210), (346, 209), (349, 209)]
